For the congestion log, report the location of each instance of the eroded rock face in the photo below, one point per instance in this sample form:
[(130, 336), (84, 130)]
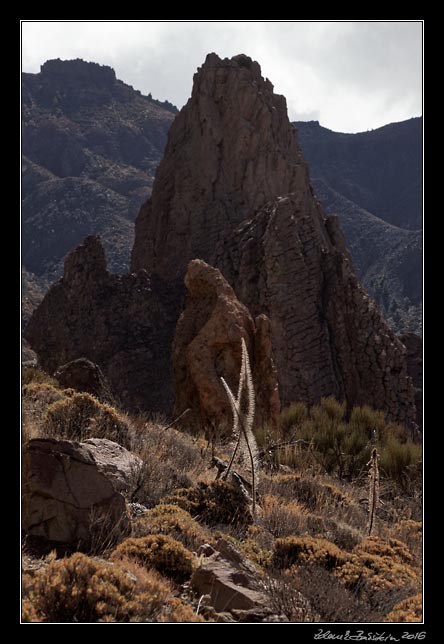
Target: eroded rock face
[(66, 497), (234, 190), (230, 150), (329, 337), (207, 345), (119, 465), (124, 324)]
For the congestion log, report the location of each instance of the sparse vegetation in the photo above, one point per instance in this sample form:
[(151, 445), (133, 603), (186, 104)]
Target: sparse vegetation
[(407, 610), (83, 589), (320, 439), (82, 416), (309, 540)]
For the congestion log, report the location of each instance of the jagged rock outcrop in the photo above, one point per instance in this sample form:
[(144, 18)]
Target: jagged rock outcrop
[(67, 498), (207, 345), (124, 324), (230, 150), (233, 190), (329, 337)]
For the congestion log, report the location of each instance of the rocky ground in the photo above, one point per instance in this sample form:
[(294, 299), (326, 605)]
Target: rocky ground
[(137, 524)]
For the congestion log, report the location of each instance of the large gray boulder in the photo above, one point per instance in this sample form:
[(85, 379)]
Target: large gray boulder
[(67, 497)]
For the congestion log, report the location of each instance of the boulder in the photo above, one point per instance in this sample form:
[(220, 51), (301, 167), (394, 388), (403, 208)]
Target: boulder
[(84, 375), (66, 497), (207, 345), (229, 579), (119, 465)]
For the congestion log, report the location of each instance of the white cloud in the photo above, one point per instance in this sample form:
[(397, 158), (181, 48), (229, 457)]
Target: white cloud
[(351, 76)]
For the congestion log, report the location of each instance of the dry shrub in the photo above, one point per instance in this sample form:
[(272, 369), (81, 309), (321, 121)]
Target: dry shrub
[(173, 521), (410, 533), (312, 492), (407, 610), (257, 546), (83, 589), (157, 479), (36, 397), (281, 518), (304, 550), (392, 548), (171, 461), (82, 416), (328, 598), (37, 376), (213, 504), (340, 533), (161, 552), (286, 599), (169, 445), (377, 570)]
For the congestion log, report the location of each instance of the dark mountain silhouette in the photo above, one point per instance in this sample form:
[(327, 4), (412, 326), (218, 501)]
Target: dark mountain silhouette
[(91, 145), (373, 182), (380, 170)]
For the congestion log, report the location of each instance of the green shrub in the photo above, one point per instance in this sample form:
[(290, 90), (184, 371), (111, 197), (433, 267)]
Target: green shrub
[(161, 552), (82, 416), (395, 459), (213, 504), (343, 448), (292, 418), (173, 521)]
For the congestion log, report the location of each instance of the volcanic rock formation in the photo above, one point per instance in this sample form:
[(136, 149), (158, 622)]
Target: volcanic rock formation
[(207, 345), (233, 190), (122, 323)]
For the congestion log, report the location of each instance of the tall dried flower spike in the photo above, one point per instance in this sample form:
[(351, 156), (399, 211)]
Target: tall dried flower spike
[(373, 492), (243, 421)]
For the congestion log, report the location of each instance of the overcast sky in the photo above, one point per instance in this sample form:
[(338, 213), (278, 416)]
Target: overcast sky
[(351, 76)]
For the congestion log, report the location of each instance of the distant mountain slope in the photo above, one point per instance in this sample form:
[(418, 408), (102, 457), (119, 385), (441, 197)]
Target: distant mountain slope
[(388, 259), (373, 181), (91, 145), (379, 170)]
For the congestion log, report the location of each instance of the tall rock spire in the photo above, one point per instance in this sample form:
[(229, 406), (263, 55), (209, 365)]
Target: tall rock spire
[(233, 189), (230, 150)]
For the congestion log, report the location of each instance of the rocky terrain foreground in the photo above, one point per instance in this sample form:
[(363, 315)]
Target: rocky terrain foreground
[(129, 520)]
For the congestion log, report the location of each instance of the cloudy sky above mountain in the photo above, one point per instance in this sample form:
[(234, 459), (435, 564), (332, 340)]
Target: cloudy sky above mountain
[(351, 76)]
